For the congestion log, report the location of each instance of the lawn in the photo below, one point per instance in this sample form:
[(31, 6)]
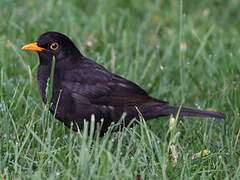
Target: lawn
[(185, 52)]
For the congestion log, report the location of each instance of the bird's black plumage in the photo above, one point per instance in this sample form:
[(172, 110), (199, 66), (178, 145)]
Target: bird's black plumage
[(81, 87)]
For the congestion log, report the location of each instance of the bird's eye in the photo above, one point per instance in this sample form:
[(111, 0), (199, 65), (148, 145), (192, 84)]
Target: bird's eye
[(54, 46)]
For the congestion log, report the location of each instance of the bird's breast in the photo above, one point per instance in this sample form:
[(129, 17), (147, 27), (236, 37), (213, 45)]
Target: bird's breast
[(42, 77)]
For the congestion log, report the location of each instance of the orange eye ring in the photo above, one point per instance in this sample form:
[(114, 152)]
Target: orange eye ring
[(54, 46)]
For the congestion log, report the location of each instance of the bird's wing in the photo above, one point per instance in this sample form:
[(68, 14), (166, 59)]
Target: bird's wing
[(104, 88)]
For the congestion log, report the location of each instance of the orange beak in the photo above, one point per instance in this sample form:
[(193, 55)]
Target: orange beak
[(32, 47)]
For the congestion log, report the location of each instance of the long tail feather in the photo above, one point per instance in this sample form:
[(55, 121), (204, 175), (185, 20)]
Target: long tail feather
[(195, 112), (166, 110)]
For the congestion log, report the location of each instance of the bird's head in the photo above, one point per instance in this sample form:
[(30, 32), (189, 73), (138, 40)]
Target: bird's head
[(52, 44)]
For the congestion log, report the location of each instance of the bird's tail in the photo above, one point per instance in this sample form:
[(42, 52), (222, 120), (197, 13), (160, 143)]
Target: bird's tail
[(200, 113), (193, 112), (166, 110)]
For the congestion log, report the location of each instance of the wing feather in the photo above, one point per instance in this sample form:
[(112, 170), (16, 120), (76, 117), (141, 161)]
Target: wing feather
[(101, 87)]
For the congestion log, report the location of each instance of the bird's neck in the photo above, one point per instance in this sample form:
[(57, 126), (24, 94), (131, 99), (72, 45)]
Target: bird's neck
[(44, 69), (43, 75)]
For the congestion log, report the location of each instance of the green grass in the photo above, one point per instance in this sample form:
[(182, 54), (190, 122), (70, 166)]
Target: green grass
[(140, 41)]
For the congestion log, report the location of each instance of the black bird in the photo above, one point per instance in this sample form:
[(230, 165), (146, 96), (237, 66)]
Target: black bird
[(81, 87)]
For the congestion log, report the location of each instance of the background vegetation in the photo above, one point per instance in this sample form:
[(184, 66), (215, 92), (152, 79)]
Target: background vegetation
[(180, 51)]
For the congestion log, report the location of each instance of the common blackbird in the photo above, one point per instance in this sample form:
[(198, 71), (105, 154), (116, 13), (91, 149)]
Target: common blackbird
[(81, 88)]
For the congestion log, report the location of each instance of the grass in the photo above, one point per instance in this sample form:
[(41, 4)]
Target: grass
[(185, 52)]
